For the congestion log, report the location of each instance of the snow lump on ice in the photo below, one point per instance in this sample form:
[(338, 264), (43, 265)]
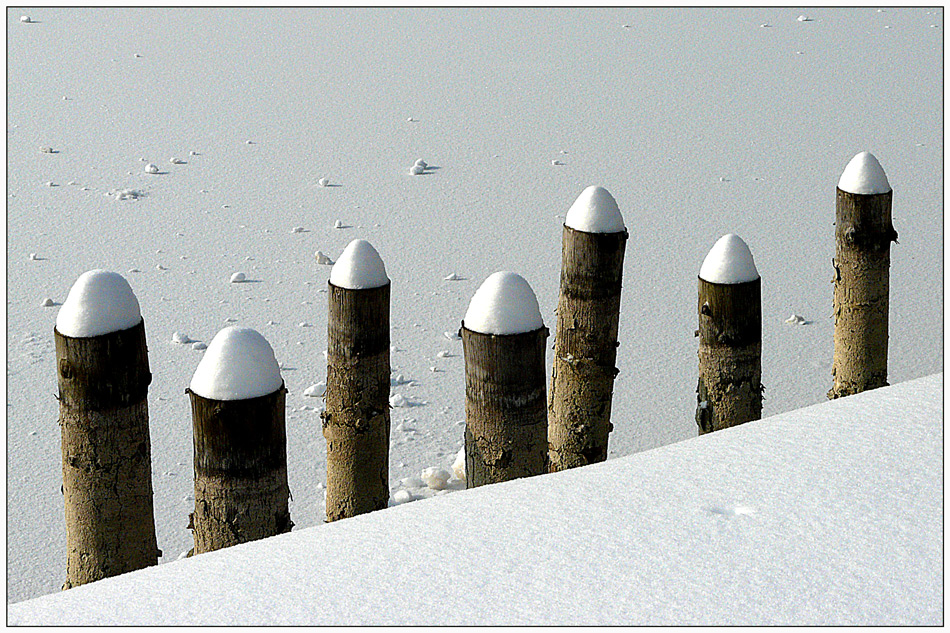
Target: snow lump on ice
[(595, 211), (865, 175), (358, 267), (99, 302), (729, 261), (503, 304), (239, 364)]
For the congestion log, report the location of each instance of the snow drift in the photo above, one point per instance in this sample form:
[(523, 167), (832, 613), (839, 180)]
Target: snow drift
[(826, 515)]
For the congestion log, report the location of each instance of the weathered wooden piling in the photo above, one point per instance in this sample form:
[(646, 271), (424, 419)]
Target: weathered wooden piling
[(356, 421), (863, 236), (103, 377), (588, 319), (730, 337), (503, 341), (240, 443)]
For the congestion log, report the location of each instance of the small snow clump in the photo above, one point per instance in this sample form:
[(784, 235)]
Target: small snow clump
[(435, 477), (402, 496), (198, 345), (458, 466), (415, 170), (338, 224), (503, 304), (358, 267), (452, 277), (323, 259), (297, 229), (316, 391), (151, 168), (47, 303), (34, 257), (237, 278), (420, 163), (398, 401), (795, 319), (864, 175), (729, 261), (99, 302), (239, 364), (323, 182), (176, 161), (595, 211), (181, 338)]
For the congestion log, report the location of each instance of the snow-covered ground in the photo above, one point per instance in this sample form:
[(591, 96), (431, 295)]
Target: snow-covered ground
[(186, 148), (831, 514)]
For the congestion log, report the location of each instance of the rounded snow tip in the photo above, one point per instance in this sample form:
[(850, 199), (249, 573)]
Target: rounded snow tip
[(503, 304), (595, 211), (239, 364), (99, 302), (358, 267), (865, 175), (729, 261)]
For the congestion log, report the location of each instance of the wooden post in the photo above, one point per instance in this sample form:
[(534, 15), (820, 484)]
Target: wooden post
[(506, 430), (356, 420), (730, 338), (107, 473), (240, 455), (863, 236), (585, 347), (505, 413)]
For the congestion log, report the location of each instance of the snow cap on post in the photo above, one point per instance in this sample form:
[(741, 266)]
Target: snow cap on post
[(864, 175), (100, 302), (358, 267), (595, 211), (239, 364), (503, 304), (729, 261)]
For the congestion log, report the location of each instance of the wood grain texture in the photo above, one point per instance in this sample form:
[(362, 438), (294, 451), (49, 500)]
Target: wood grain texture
[(106, 452), (730, 354), (356, 423), (863, 234), (240, 457), (505, 412), (585, 348)]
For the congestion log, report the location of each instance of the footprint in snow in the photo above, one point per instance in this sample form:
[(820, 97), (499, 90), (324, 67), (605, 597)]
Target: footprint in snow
[(728, 512)]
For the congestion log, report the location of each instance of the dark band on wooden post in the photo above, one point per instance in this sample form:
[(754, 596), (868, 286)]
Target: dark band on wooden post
[(863, 236), (505, 412), (241, 490), (730, 354), (107, 471), (585, 348), (356, 420)]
